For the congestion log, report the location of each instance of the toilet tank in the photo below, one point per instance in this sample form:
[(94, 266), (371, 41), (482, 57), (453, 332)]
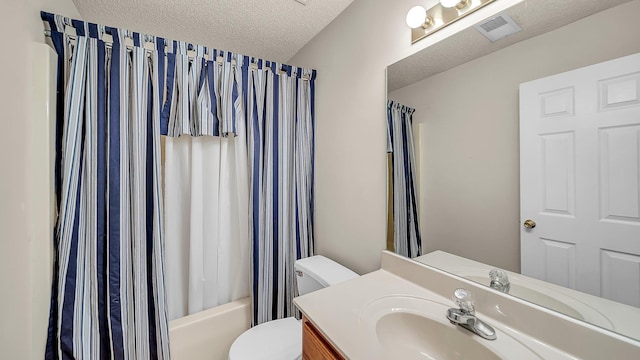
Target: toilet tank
[(317, 272)]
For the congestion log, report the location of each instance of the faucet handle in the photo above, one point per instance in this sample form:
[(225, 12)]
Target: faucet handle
[(464, 300), (499, 275), (499, 280)]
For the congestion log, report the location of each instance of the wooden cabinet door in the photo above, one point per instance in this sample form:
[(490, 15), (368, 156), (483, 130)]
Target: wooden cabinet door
[(314, 345)]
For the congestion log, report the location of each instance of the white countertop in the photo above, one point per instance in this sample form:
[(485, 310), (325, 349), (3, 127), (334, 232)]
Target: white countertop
[(336, 312)]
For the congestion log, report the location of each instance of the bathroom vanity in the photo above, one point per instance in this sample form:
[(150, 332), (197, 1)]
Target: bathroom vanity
[(314, 345), (400, 312)]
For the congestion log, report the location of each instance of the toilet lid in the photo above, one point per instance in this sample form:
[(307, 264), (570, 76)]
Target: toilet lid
[(278, 339)]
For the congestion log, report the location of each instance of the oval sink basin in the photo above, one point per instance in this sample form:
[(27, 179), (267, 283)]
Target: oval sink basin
[(411, 328), (535, 297), (404, 335), (546, 297)]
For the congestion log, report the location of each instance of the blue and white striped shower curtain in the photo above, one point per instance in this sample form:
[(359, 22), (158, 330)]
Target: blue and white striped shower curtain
[(108, 298), (406, 228), (280, 133)]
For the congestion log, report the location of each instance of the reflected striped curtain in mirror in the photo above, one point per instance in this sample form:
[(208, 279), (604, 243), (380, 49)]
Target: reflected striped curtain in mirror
[(406, 228)]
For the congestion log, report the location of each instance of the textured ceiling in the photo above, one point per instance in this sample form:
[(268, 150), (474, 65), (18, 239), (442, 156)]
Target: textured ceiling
[(269, 29), (534, 16)]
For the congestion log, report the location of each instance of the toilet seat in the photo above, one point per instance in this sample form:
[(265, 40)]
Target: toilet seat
[(277, 339)]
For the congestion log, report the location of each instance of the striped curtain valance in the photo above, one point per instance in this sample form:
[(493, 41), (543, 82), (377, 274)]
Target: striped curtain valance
[(204, 89), (207, 89)]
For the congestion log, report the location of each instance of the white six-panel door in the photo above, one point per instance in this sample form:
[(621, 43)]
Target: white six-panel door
[(580, 179)]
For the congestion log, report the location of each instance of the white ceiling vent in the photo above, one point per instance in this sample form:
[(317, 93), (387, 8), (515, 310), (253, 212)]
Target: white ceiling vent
[(498, 27)]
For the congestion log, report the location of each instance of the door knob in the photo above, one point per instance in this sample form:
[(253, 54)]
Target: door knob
[(529, 224)]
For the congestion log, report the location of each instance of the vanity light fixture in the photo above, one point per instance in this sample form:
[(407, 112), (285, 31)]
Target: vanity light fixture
[(458, 4), (416, 16), (425, 22)]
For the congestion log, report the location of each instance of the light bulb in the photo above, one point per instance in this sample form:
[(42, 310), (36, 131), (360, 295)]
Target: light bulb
[(416, 16), (449, 3)]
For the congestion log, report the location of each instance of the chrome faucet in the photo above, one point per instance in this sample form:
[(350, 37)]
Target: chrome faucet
[(499, 280), (465, 315)]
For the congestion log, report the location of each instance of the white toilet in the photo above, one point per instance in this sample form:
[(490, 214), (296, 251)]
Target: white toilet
[(282, 339)]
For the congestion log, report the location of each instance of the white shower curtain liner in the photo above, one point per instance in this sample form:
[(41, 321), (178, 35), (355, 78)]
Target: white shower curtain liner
[(207, 223)]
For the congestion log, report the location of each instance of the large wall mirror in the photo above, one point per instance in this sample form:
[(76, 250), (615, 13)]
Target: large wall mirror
[(466, 126)]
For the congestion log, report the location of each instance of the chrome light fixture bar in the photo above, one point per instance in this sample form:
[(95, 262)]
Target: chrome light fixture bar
[(425, 22)]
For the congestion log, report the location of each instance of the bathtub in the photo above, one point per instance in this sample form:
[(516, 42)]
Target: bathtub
[(210, 333)]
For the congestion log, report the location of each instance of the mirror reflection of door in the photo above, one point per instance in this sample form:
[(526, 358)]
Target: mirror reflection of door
[(465, 92), (580, 179)]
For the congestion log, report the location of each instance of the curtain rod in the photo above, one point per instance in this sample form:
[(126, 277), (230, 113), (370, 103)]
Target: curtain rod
[(109, 44), (190, 53)]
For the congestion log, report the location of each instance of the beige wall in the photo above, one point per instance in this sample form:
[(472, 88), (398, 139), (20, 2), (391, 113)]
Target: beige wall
[(351, 55), (20, 26), (470, 188)]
